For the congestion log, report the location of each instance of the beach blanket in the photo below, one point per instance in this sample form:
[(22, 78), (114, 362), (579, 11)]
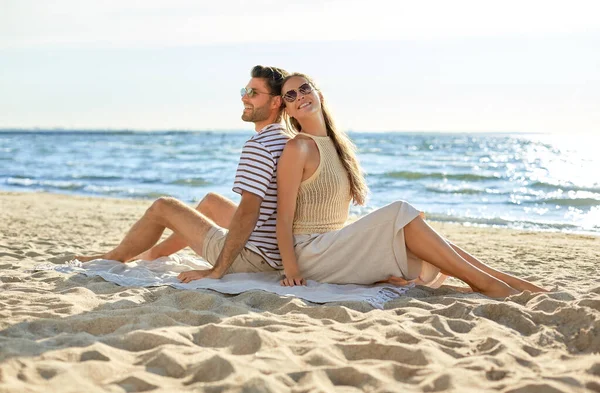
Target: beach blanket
[(164, 271)]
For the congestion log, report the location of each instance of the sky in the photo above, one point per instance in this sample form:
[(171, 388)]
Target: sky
[(457, 66)]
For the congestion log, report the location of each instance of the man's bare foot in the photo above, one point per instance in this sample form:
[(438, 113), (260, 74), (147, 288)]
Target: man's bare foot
[(145, 256), (83, 258)]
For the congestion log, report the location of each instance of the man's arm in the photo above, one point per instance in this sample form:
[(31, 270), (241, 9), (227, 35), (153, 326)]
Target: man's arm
[(241, 227), (242, 224), (255, 168)]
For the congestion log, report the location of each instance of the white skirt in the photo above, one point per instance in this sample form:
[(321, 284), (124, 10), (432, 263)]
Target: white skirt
[(366, 251)]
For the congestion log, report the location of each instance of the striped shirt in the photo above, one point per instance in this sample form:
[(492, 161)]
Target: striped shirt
[(257, 174)]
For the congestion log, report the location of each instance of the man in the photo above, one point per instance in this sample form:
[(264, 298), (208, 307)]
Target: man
[(231, 238)]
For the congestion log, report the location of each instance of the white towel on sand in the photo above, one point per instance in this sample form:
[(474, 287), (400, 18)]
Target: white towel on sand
[(164, 271)]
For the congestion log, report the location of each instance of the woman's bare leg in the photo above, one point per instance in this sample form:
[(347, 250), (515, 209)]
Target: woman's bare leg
[(426, 244), (515, 282), (164, 213), (213, 206)]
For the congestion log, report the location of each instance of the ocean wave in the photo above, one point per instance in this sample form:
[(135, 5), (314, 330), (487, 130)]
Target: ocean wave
[(564, 187), (468, 220), (52, 184), (191, 182), (501, 222), (81, 188), (409, 175), (465, 191), (128, 192), (97, 177), (575, 202), (150, 181), (148, 195)]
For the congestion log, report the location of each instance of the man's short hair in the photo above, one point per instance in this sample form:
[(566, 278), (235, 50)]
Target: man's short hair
[(273, 75)]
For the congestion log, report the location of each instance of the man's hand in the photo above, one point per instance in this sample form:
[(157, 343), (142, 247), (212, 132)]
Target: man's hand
[(192, 275)]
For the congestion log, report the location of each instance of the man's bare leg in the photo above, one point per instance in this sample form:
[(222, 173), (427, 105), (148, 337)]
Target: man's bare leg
[(213, 206), (426, 244), (515, 282), (170, 213)]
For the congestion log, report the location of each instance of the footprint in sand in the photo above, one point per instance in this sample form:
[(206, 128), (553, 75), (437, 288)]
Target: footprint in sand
[(163, 362), (351, 376), (537, 387), (372, 351), (93, 355), (11, 279), (134, 384), (12, 255), (495, 375), (490, 346), (509, 316), (214, 369), (61, 258), (438, 383)]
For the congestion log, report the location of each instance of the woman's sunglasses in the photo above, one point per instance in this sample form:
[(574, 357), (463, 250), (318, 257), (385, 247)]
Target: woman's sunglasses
[(291, 95), (251, 92)]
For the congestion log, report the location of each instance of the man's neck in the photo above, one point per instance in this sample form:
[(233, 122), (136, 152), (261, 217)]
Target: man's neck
[(259, 126)]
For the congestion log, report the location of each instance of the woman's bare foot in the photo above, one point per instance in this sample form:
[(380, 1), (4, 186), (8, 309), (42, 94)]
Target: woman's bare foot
[(498, 290), (523, 285), (397, 281), (458, 289)]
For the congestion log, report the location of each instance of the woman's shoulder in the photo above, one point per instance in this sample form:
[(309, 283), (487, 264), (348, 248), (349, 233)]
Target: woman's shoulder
[(300, 138), (300, 143)]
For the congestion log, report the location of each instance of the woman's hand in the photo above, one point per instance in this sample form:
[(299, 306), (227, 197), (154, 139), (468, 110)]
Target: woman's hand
[(292, 281), (292, 278)]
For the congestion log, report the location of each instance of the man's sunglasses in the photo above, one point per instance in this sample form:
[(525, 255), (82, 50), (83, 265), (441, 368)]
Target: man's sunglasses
[(251, 92), (291, 95)]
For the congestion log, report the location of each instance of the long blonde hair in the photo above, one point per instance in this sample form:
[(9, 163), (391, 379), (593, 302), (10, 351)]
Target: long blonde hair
[(343, 145)]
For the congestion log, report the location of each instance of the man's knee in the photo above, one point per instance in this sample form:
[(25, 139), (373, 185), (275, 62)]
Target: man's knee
[(211, 200), (213, 197), (161, 206), (210, 197)]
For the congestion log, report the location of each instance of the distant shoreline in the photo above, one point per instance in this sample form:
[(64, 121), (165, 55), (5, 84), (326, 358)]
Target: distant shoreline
[(521, 181)]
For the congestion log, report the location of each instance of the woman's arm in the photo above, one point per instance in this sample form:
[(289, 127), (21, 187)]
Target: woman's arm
[(289, 176)]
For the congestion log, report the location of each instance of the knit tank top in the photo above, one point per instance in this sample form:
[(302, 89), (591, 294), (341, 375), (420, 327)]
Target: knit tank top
[(324, 198)]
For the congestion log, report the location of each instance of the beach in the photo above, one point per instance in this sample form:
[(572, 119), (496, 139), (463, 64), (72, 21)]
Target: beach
[(70, 333)]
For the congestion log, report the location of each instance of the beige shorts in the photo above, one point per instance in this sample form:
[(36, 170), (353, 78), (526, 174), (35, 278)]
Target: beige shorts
[(246, 262)]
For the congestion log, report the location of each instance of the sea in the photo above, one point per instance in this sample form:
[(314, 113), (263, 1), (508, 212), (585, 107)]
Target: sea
[(538, 182)]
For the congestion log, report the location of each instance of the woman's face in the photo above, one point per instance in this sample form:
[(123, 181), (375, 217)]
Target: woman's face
[(300, 97)]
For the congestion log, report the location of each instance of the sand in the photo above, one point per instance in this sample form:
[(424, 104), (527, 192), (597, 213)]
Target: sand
[(70, 333)]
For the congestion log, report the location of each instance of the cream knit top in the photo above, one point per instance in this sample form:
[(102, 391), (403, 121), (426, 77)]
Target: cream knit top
[(324, 198)]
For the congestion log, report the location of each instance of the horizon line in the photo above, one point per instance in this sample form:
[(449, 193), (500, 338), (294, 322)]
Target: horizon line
[(142, 130)]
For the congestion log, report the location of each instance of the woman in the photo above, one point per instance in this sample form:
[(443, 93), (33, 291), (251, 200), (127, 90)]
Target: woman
[(317, 177)]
